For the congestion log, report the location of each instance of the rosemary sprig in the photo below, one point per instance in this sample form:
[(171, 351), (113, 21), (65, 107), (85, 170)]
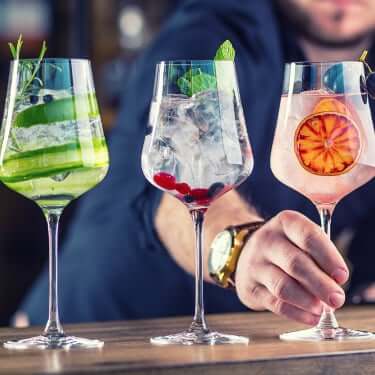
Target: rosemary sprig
[(31, 71), (30, 68), (16, 51), (35, 70)]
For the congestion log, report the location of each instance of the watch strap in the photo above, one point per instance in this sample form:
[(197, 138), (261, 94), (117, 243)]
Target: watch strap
[(241, 234)]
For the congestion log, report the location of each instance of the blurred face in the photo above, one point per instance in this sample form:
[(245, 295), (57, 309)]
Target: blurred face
[(334, 23)]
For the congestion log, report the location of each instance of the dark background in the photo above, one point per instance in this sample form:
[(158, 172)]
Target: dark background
[(111, 33)]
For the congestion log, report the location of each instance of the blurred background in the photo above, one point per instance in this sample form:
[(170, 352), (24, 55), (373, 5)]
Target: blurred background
[(111, 33)]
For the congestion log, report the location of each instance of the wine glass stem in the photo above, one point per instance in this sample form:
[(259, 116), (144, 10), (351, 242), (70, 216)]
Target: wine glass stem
[(199, 322), (328, 319), (53, 326)]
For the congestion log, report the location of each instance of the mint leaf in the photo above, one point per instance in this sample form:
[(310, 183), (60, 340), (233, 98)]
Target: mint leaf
[(226, 52), (203, 82), (195, 81), (184, 85)]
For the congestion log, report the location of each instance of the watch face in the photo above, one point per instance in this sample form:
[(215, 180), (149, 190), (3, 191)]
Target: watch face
[(220, 251)]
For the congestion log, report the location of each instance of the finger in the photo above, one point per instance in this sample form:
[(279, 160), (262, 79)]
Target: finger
[(287, 289), (310, 238), (304, 270), (283, 308)]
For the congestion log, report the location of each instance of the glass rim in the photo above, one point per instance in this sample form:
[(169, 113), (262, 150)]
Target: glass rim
[(324, 63), (51, 59), (194, 62)]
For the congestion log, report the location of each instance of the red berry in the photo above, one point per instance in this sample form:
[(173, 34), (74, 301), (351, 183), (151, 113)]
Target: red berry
[(199, 194), (204, 202), (183, 188), (165, 180)]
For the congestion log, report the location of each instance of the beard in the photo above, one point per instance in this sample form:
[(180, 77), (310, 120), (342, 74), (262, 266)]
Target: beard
[(302, 22)]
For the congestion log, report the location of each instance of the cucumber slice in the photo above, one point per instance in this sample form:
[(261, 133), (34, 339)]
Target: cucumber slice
[(51, 161), (77, 107)]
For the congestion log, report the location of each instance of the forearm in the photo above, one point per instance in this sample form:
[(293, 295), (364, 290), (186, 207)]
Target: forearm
[(174, 226)]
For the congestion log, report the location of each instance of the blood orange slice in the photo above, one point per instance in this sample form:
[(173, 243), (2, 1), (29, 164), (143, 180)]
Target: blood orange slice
[(327, 144), (331, 105)]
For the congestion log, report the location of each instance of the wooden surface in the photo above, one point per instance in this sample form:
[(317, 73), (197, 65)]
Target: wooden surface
[(127, 350)]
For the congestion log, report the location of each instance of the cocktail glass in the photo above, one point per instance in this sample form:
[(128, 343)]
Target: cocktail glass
[(324, 148), (197, 149), (52, 151)]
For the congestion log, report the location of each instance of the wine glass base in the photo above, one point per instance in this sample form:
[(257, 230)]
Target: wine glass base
[(54, 342), (204, 338), (327, 334)]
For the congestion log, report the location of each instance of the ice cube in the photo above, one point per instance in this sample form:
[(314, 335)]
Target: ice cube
[(201, 132), (176, 127), (205, 111), (46, 135)]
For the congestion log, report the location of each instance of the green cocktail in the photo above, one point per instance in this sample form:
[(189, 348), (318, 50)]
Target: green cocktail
[(52, 151), (59, 160)]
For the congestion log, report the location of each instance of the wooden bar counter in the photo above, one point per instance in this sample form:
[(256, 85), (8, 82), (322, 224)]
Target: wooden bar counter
[(127, 349)]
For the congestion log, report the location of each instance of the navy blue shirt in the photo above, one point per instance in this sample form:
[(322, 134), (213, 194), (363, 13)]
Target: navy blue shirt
[(113, 266)]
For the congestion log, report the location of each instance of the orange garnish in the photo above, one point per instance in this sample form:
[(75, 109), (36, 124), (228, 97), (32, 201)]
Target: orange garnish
[(328, 144), (331, 105)]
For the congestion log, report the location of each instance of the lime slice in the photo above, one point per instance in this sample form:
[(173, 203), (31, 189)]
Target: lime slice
[(78, 107), (52, 160)]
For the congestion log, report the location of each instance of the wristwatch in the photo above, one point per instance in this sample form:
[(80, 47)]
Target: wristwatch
[(225, 251)]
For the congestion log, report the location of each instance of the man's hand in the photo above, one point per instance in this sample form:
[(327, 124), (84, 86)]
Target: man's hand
[(290, 267)]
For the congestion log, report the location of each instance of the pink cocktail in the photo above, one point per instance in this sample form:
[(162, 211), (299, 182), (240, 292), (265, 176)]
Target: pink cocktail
[(333, 155), (324, 148)]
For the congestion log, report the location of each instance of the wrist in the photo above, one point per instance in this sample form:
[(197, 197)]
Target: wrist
[(226, 249)]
